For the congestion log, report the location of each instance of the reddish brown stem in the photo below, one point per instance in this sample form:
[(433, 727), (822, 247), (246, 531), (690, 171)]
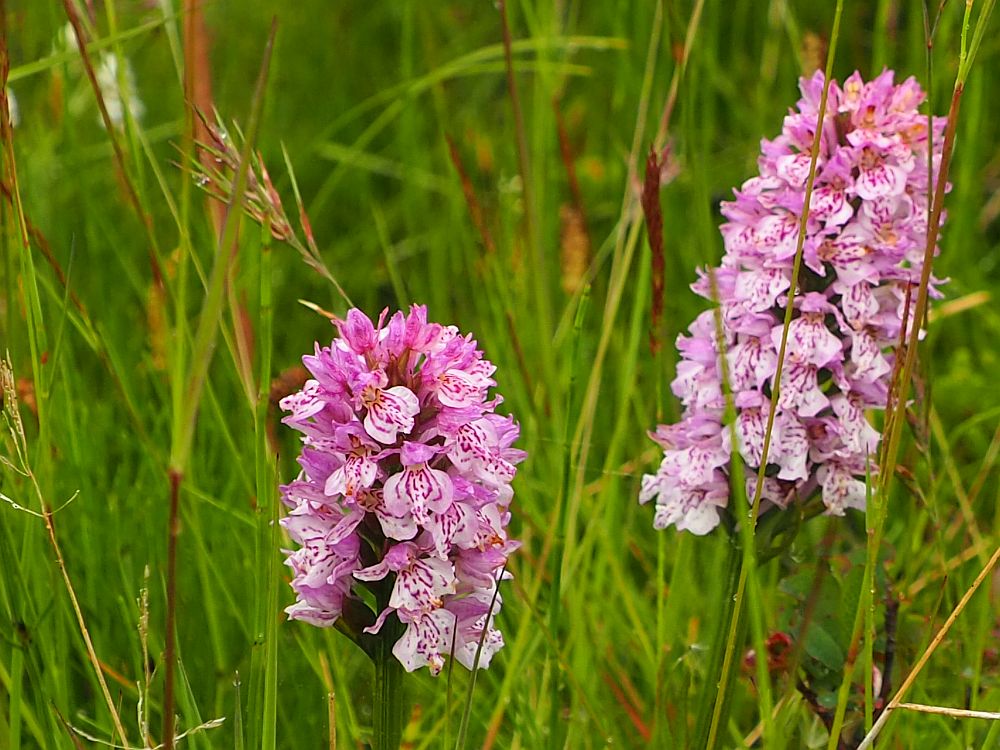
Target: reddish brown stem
[(653, 212), (566, 153), (475, 209), (630, 710), (515, 99), (198, 91), (522, 361), (133, 196), (522, 139), (898, 399), (891, 615)]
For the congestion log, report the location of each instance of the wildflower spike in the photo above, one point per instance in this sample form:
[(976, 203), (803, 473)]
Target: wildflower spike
[(863, 249), (405, 479)]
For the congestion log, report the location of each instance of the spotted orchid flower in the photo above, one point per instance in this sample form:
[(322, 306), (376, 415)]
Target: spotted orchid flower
[(426, 640), (390, 411), (418, 487), (360, 467), (864, 244), (472, 615), (405, 478), (420, 581)]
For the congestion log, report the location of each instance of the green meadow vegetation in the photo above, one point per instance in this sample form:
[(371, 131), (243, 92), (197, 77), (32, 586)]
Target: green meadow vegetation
[(150, 327)]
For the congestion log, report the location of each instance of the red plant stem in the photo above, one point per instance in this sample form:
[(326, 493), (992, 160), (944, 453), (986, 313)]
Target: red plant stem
[(515, 103), (522, 361), (566, 153), (653, 212), (475, 209), (531, 224), (198, 92), (891, 441), (933, 229), (630, 710), (133, 196)]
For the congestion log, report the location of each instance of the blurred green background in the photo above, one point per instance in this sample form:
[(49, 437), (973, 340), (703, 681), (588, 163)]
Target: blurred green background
[(362, 96)]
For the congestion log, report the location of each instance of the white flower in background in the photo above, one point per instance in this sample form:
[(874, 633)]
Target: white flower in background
[(108, 80), (115, 90), (15, 112), (66, 39)]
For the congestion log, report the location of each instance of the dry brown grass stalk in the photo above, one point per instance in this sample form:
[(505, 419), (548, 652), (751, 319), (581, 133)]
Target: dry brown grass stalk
[(16, 428)]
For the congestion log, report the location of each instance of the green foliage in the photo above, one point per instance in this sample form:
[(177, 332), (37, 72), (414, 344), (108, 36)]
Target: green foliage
[(361, 96)]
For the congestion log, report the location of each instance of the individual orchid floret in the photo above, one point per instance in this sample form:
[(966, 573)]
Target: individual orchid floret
[(863, 247), (418, 488), (404, 489)]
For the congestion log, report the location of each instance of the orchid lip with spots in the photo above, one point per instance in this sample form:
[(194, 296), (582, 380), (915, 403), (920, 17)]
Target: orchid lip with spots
[(405, 482), (863, 247)]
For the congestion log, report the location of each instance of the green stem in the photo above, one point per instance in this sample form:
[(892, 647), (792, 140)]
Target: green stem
[(389, 705), (560, 534), (266, 472), (16, 697), (717, 689)]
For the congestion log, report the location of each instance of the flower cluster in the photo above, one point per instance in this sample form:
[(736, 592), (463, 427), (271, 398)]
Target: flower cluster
[(863, 250), (405, 486)]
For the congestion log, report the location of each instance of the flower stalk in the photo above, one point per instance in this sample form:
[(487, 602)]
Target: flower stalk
[(389, 703), (403, 497), (823, 249)]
